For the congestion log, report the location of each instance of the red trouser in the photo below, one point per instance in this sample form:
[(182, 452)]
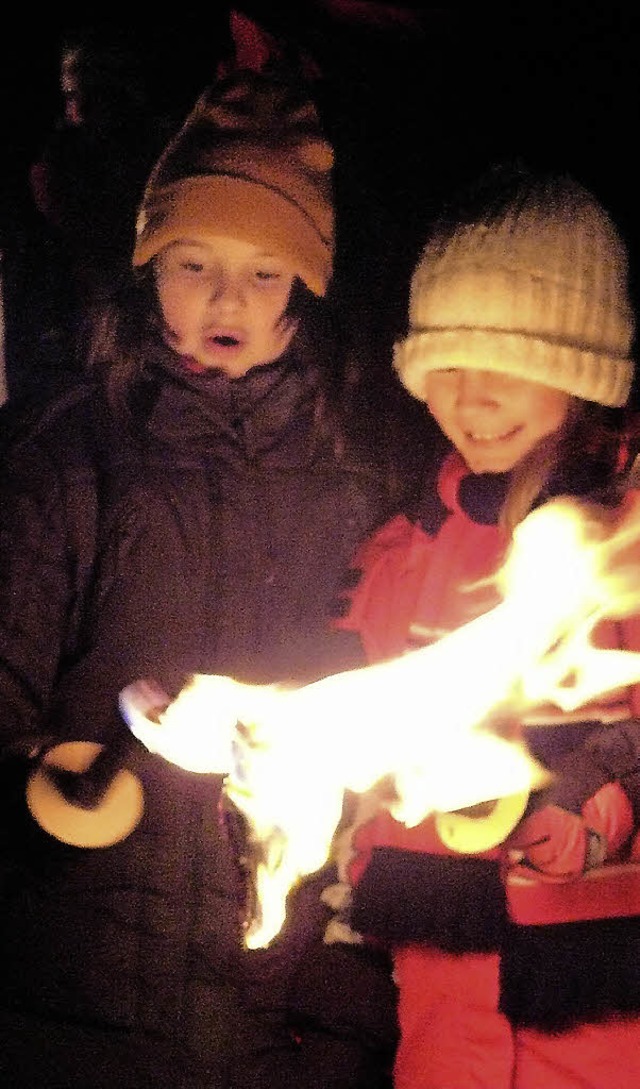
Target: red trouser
[(452, 1035)]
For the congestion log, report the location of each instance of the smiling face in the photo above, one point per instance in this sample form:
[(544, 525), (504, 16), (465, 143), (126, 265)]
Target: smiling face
[(494, 419), (223, 302)]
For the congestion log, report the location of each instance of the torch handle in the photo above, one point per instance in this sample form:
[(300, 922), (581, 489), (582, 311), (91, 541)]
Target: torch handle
[(88, 788), (85, 794)]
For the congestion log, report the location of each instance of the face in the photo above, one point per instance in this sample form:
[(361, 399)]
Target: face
[(223, 302), (494, 419)]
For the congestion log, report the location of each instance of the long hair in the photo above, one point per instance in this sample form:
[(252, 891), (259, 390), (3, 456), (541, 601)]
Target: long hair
[(125, 339), (589, 455)]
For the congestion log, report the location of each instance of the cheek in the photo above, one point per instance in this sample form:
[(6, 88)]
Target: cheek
[(176, 305), (440, 406), (268, 312), (549, 413)]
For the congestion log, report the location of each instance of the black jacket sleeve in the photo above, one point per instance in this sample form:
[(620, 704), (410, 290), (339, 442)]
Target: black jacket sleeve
[(608, 754), (328, 1011), (36, 591)]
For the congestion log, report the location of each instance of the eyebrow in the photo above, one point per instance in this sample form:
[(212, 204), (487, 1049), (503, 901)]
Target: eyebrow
[(187, 243)]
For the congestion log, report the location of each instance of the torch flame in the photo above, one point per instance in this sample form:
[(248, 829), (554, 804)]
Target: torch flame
[(424, 721)]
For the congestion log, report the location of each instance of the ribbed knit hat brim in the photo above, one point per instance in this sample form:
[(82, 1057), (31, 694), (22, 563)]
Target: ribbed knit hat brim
[(586, 374)]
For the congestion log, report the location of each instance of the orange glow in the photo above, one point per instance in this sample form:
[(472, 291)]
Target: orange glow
[(425, 720)]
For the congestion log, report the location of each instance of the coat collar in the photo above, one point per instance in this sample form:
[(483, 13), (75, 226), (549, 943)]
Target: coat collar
[(267, 414), (478, 496)]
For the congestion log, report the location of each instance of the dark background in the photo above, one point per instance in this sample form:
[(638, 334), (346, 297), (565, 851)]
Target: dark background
[(415, 97), (421, 103)]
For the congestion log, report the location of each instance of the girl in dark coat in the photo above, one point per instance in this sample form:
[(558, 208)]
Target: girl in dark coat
[(191, 507)]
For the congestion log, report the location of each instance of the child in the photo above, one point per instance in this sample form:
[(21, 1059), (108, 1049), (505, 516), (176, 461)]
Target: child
[(519, 341), (191, 507)]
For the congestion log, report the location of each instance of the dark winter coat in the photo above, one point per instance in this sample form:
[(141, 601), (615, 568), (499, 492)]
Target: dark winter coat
[(209, 537)]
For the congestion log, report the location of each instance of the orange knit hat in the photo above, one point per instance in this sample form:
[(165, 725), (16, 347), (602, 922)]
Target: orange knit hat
[(250, 161)]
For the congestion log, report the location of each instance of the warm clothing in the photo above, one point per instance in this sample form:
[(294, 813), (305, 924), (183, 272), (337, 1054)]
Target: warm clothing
[(532, 283), (208, 537), (250, 161), (505, 980)]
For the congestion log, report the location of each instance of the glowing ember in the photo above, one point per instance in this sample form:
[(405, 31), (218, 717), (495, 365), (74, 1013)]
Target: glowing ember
[(411, 720)]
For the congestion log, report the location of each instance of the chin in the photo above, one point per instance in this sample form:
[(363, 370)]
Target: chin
[(481, 462)]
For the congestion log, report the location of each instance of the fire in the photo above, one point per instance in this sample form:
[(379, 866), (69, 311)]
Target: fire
[(426, 722)]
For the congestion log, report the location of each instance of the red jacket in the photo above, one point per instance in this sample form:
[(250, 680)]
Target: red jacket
[(469, 932)]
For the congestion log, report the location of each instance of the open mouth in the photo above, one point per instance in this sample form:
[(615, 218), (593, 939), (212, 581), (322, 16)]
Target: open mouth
[(224, 340)]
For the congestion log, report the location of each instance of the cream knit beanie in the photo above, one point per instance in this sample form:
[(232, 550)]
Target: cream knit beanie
[(533, 284), (250, 161)]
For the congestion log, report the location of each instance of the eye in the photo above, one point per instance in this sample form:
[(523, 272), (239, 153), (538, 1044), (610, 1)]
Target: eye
[(192, 266), (265, 276)]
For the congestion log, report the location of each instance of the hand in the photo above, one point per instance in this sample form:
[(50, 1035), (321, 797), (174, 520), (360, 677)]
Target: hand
[(564, 845), (195, 731)]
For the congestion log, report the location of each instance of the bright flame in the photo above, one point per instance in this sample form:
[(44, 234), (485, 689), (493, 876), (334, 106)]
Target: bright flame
[(423, 720)]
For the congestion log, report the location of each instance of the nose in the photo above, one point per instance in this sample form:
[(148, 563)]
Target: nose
[(226, 292), (475, 388)]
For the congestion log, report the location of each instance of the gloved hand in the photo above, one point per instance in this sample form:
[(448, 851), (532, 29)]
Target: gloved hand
[(195, 731), (563, 845)]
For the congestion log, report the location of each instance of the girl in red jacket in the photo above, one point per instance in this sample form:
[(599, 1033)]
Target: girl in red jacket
[(518, 966)]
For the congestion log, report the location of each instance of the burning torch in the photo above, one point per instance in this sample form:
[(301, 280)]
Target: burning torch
[(289, 755)]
